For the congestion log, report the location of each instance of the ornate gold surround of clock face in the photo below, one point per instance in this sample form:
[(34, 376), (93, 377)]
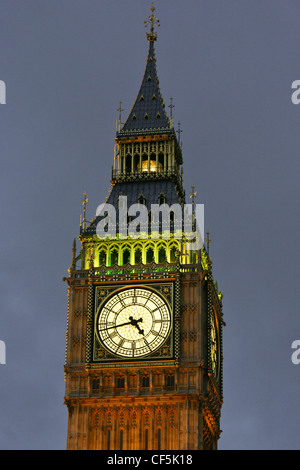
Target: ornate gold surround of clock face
[(133, 322)]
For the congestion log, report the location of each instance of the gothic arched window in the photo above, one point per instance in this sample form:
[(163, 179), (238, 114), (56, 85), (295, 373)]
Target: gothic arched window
[(173, 254), (161, 199), (170, 381), (102, 258), (138, 256), (120, 382), (142, 200), (150, 256), (96, 384), (128, 163), (161, 255), (145, 381), (126, 256), (113, 257)]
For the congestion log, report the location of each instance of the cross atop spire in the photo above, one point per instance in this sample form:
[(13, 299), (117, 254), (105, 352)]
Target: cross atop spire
[(151, 20)]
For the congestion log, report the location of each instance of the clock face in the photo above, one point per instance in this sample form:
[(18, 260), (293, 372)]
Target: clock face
[(214, 347), (134, 322)]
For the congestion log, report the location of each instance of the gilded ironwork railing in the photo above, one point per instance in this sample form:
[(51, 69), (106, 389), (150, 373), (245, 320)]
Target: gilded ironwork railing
[(134, 174), (158, 270)]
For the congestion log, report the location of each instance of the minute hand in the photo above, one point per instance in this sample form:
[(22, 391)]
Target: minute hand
[(117, 326)]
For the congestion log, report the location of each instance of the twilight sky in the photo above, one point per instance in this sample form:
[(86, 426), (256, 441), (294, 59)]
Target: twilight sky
[(229, 66)]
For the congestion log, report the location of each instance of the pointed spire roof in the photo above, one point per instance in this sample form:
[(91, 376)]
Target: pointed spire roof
[(148, 113)]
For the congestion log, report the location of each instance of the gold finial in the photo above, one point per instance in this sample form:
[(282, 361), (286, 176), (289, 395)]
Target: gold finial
[(179, 131), (207, 241), (193, 195), (73, 265), (120, 111), (84, 203), (151, 20), (171, 106)]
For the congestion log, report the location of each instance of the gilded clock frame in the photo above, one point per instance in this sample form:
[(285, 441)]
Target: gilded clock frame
[(101, 293), (214, 327)]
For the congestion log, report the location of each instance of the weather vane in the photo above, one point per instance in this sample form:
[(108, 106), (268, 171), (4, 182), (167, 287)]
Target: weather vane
[(151, 20)]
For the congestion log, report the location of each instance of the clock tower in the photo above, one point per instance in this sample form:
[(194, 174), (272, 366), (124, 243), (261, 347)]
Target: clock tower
[(143, 366)]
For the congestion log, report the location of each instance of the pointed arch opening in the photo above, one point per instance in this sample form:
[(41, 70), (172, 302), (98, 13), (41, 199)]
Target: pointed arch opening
[(114, 257), (162, 255), (161, 162), (102, 258), (162, 199), (173, 251), (126, 256), (128, 163), (150, 256), (136, 162), (142, 200), (138, 256)]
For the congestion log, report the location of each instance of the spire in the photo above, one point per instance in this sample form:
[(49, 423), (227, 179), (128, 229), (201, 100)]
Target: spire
[(148, 112)]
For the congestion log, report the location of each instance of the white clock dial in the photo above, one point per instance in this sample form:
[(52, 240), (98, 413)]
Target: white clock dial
[(134, 322)]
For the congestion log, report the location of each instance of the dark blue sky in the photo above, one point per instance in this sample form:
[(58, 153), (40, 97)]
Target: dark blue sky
[(229, 66)]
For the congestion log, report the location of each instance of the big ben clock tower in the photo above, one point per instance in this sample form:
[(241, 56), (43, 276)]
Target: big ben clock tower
[(143, 367)]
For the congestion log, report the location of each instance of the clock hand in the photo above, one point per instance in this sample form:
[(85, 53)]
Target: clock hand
[(135, 323), (117, 326), (140, 331), (131, 322)]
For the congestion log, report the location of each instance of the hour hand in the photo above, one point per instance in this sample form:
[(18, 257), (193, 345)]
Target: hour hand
[(135, 323), (139, 329)]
